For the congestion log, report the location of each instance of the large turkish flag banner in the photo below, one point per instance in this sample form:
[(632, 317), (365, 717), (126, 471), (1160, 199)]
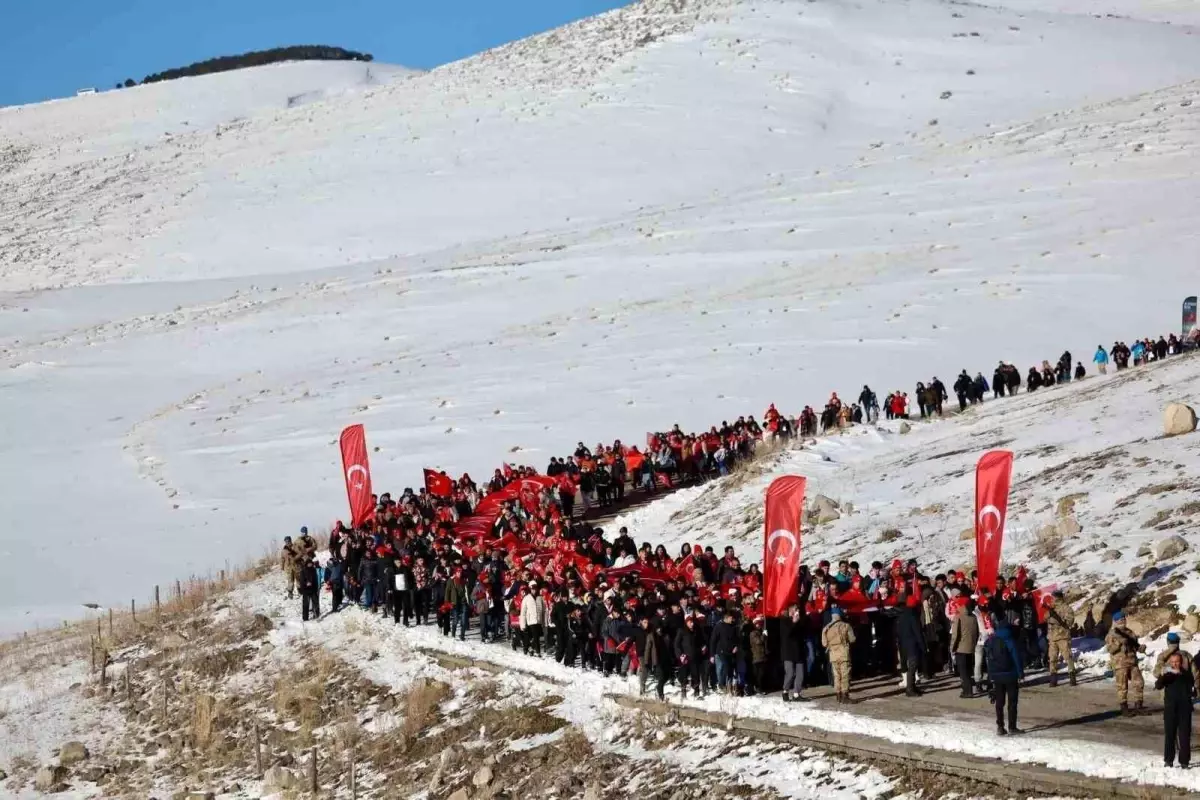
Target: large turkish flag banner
[(781, 550), (993, 476), (357, 471)]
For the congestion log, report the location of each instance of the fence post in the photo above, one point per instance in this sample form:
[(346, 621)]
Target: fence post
[(110, 622), (312, 771), (258, 751), (178, 590), (353, 776), (164, 700), (129, 683), (92, 652), (157, 604)]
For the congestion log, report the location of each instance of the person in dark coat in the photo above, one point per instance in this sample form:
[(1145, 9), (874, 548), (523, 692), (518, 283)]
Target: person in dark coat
[(724, 649), (1013, 379), (310, 590), (367, 573), (962, 388), (1179, 690), (335, 575), (689, 655), (560, 618), (791, 652), (912, 642), (1005, 668)]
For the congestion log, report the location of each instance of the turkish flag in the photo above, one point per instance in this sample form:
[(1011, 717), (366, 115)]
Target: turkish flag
[(357, 471), (781, 551), (993, 476), (438, 484)]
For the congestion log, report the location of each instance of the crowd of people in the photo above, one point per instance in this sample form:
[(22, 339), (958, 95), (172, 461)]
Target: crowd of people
[(546, 581)]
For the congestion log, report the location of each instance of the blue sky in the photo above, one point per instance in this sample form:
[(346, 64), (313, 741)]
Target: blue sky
[(50, 48)]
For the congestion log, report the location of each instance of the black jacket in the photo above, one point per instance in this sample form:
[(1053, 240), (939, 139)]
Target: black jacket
[(1178, 689), (791, 639), (687, 645), (909, 633), (308, 579), (724, 639)]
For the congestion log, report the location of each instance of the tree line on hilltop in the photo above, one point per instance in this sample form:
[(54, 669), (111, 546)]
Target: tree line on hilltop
[(257, 58)]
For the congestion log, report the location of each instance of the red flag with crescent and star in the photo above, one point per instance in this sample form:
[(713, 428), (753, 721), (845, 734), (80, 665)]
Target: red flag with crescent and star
[(438, 484), (357, 471), (993, 476), (781, 551)]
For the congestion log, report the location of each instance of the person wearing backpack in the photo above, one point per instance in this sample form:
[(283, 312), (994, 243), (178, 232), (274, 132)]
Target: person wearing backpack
[(1006, 672)]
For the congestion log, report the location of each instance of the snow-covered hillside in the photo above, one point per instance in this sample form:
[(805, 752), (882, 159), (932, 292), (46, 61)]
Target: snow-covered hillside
[(677, 212)]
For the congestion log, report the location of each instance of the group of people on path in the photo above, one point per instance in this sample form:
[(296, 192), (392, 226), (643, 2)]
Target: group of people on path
[(552, 585)]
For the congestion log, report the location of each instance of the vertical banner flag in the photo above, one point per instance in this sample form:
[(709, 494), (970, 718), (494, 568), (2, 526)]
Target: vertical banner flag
[(357, 471), (1189, 315), (993, 476), (781, 551), (438, 484)]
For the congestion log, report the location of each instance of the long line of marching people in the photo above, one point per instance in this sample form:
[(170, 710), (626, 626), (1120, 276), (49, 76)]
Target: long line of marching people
[(550, 584)]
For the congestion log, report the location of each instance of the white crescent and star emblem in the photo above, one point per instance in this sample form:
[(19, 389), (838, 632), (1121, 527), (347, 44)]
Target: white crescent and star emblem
[(361, 482), (782, 533), (984, 513)]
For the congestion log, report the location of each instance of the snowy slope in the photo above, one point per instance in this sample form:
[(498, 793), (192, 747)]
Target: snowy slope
[(676, 212), (116, 122)]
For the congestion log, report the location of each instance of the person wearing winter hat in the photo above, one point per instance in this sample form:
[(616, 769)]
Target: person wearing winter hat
[(836, 638), (1190, 667), (306, 545), (1123, 647)]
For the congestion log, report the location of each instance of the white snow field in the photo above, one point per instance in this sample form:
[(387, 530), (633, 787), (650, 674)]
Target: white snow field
[(676, 212)]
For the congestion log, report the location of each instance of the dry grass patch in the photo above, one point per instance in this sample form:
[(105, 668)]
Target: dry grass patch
[(1048, 543), (301, 694), (421, 703), (575, 745), (1066, 505), (1158, 519), (484, 691), (518, 723)]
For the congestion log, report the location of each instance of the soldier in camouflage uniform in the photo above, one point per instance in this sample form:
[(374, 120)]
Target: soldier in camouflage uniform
[(1123, 648), (1058, 634), (288, 563), (836, 638)]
